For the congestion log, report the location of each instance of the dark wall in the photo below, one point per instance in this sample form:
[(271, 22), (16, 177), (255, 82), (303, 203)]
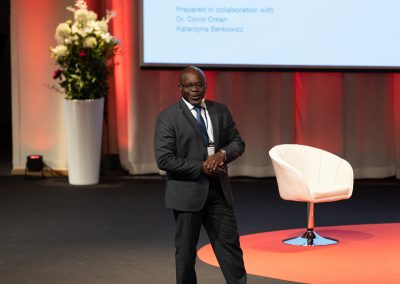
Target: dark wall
[(5, 79)]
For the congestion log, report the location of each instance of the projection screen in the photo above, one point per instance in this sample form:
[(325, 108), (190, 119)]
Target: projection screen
[(362, 34)]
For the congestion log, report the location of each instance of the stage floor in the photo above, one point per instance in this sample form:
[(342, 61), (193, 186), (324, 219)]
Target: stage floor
[(119, 231)]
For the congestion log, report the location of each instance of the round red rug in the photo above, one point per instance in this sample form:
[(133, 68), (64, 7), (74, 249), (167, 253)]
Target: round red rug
[(365, 254)]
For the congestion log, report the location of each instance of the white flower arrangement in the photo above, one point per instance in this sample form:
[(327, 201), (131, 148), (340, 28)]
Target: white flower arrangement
[(83, 52)]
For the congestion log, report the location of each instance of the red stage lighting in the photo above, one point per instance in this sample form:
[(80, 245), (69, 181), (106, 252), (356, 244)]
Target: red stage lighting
[(34, 163)]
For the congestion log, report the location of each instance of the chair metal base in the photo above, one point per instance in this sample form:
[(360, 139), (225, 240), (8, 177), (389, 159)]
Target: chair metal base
[(310, 238)]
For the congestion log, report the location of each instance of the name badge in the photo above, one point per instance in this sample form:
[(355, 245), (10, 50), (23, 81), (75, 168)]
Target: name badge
[(210, 149)]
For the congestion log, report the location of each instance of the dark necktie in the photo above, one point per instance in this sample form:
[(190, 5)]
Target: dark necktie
[(202, 124)]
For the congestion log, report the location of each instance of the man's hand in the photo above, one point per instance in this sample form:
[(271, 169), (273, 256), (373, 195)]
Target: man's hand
[(220, 170), (214, 165)]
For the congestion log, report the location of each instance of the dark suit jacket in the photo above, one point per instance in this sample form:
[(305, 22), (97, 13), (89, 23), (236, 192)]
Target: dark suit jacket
[(180, 152)]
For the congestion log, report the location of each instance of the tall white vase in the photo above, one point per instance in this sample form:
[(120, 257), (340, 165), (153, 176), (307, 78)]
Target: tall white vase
[(84, 124)]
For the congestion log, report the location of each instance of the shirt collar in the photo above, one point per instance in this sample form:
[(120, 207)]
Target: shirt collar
[(190, 106)]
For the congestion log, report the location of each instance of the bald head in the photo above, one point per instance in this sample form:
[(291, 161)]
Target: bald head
[(192, 70)]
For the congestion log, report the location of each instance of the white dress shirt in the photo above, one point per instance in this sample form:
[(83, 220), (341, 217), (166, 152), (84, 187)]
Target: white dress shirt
[(206, 117)]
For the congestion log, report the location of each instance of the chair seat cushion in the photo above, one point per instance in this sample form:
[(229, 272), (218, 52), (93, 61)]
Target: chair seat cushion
[(326, 193)]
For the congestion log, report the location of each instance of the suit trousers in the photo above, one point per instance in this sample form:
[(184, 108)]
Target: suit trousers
[(220, 224)]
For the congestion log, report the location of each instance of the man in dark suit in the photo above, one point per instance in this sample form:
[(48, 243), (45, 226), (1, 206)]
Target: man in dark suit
[(194, 141)]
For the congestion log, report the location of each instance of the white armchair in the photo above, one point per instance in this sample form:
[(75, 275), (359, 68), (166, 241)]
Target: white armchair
[(311, 175)]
